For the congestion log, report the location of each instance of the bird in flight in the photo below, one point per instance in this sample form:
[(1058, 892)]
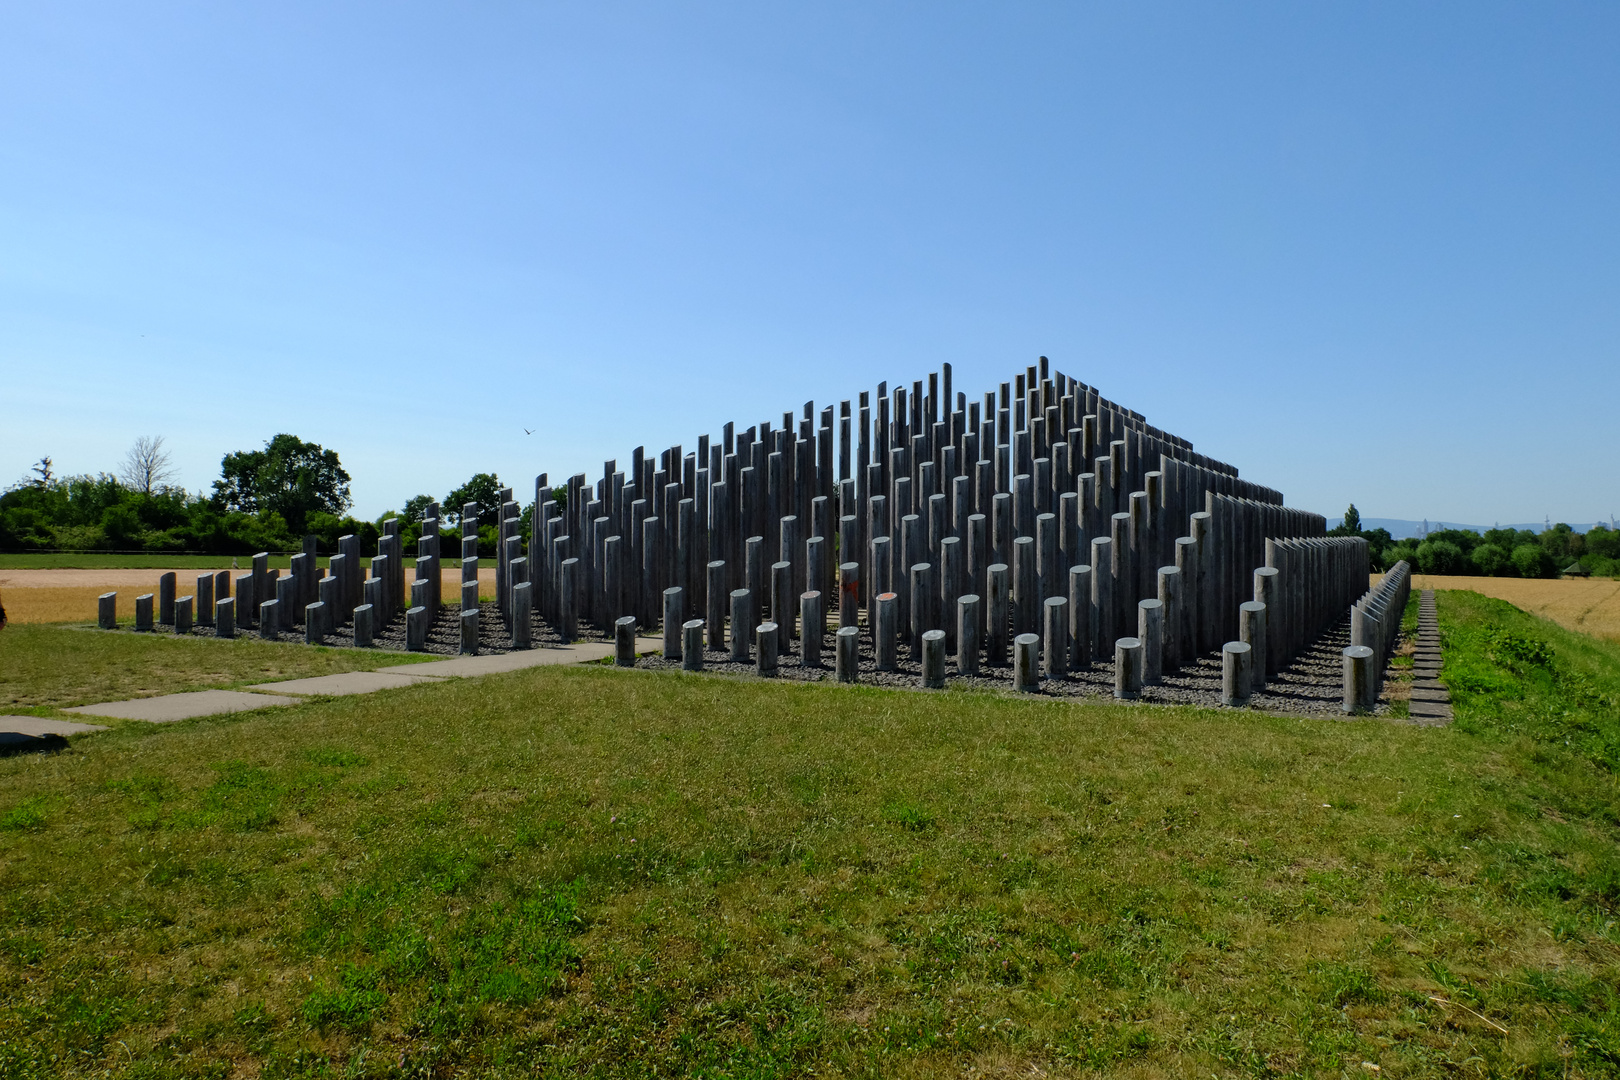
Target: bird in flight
[(528, 431)]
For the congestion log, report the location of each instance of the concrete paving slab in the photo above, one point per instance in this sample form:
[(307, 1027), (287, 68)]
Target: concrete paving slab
[(346, 683), (39, 725), (172, 707), (580, 653)]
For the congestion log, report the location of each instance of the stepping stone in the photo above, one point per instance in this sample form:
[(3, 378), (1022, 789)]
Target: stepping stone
[(172, 707), (1430, 710), (38, 725), (1425, 694), (583, 652), (345, 683)]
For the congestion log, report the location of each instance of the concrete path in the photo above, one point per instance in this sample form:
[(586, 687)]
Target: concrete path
[(172, 707), (1431, 701), (35, 735), (581, 653), (348, 682), (36, 725)]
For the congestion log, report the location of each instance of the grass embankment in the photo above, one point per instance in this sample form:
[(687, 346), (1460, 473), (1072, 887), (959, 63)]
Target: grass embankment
[(45, 667), (1588, 605), (583, 872), (1515, 675)]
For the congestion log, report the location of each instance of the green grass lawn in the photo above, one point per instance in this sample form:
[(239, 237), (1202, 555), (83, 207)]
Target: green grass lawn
[(46, 666), (588, 872)]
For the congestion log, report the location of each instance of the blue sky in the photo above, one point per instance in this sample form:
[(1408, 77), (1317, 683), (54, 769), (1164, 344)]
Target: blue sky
[(1362, 251)]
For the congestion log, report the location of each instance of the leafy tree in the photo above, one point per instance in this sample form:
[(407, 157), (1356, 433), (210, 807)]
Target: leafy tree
[(1534, 561), (1405, 550), (416, 508), (1489, 560), (122, 527), (485, 490), (1379, 542), (1439, 557), (289, 477), (1603, 542), (327, 528)]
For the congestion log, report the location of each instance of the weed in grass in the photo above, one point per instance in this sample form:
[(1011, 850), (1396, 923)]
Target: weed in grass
[(26, 815), (909, 816)]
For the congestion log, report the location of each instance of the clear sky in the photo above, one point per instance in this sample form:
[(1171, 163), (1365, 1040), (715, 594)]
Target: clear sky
[(1362, 251)]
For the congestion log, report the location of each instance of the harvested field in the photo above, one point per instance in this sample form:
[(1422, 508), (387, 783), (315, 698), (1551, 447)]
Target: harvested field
[(43, 596), (1586, 605)]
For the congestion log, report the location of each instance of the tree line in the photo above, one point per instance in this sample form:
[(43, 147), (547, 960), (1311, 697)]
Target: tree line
[(1495, 552), (269, 499), (264, 500)]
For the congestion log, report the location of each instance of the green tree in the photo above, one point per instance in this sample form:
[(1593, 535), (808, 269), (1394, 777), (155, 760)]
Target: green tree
[(290, 477), (484, 489), (416, 508), (1352, 520), (1489, 559), (1405, 551), (1439, 557), (1534, 561)]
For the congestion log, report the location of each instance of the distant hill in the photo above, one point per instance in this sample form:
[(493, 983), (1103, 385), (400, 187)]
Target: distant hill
[(1401, 529)]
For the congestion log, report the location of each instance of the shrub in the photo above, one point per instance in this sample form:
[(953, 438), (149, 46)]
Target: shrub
[(1403, 550), (1439, 557), (1534, 561), (79, 538), (122, 527), (1489, 559)]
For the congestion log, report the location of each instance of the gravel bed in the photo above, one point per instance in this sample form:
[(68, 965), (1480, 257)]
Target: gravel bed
[(444, 637), (1311, 685)]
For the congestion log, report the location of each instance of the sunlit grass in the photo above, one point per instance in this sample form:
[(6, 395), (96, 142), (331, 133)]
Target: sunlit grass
[(51, 667), (588, 872)]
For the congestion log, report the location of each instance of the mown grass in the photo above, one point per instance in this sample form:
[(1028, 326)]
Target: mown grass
[(45, 666), (587, 872)]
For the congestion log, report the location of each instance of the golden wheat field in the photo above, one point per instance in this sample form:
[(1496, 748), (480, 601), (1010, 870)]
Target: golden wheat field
[(1589, 605), (38, 596)]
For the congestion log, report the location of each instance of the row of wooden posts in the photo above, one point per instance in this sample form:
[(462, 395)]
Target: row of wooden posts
[(1040, 507)]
